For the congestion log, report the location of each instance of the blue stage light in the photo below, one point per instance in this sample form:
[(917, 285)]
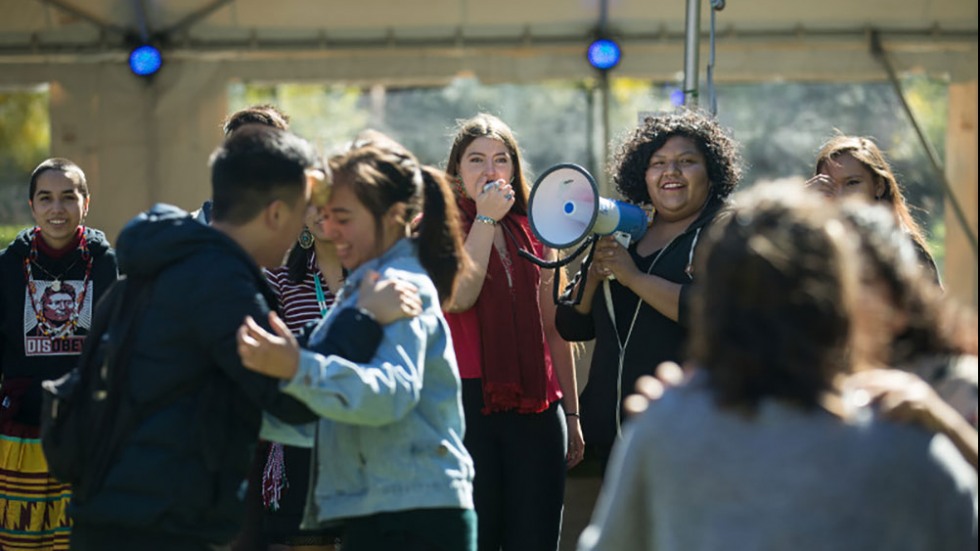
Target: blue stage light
[(145, 60), (604, 54), (677, 97)]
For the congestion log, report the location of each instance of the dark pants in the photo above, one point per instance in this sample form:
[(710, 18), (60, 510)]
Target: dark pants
[(413, 530), (111, 538), (519, 489)]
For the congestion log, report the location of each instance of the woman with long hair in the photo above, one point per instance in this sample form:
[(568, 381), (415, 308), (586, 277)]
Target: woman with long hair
[(389, 457), (519, 388), (855, 165)]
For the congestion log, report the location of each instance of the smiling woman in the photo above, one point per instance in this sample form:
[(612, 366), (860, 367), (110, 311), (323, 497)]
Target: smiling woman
[(855, 166), (51, 275), (389, 458), (684, 165)]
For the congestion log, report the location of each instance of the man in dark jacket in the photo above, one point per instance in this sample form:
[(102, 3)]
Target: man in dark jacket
[(178, 479)]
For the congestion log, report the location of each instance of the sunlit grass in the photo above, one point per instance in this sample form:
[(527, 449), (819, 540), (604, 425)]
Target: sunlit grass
[(7, 234)]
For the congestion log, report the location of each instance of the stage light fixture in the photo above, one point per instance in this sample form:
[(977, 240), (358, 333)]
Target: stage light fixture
[(604, 54), (677, 97), (145, 60)]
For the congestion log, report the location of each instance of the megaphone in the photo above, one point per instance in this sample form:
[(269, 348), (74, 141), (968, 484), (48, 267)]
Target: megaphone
[(565, 207)]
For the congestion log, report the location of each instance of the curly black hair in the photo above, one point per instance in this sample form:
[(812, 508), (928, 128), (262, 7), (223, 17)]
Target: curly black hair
[(720, 150)]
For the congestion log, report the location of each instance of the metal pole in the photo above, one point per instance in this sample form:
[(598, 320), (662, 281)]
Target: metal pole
[(604, 107), (692, 41)]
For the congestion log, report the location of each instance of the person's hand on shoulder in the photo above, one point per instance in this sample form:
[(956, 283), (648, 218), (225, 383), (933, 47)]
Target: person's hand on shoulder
[(650, 388), (388, 300), (904, 397), (900, 396), (273, 354)]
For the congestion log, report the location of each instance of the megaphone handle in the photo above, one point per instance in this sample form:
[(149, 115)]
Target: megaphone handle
[(558, 263), (580, 279)]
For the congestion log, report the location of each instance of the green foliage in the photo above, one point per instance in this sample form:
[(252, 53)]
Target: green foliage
[(25, 141), (8, 233), (327, 115), (780, 125), (548, 118)]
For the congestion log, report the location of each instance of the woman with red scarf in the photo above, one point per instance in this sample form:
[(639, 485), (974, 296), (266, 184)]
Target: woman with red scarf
[(519, 388), (51, 276)]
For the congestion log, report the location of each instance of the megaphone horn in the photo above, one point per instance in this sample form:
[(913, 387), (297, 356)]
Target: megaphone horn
[(565, 207)]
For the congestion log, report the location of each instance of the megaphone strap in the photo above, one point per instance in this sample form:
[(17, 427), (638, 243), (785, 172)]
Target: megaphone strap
[(624, 342)]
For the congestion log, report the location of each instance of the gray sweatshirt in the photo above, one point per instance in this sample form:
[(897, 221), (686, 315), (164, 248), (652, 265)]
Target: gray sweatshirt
[(690, 476)]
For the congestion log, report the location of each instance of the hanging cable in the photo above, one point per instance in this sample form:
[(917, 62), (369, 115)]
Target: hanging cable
[(878, 51)]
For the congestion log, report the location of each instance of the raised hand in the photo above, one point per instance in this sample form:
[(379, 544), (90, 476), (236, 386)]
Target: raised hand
[(823, 183), (495, 200)]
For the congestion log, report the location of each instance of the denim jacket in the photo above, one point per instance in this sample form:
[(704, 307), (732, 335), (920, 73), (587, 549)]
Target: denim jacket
[(390, 437)]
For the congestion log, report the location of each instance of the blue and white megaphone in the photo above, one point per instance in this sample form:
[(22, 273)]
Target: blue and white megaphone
[(565, 207)]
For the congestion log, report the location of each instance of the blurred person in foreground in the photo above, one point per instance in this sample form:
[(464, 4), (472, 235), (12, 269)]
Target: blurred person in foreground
[(928, 340), (766, 446)]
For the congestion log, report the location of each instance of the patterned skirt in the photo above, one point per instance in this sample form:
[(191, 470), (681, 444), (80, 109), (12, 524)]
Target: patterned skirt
[(33, 506)]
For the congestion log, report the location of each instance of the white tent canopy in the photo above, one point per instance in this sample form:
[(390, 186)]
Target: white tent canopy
[(142, 143), (503, 40)]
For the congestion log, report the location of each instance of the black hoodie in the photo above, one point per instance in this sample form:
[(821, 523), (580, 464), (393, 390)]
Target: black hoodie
[(655, 338), (27, 356)]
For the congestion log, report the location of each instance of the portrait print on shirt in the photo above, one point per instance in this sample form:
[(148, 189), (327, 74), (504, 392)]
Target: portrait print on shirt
[(57, 317)]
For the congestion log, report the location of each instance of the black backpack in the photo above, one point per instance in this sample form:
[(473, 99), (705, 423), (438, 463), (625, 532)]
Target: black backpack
[(87, 413)]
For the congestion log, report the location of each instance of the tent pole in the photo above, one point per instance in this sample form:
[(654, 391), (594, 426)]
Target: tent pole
[(692, 41)]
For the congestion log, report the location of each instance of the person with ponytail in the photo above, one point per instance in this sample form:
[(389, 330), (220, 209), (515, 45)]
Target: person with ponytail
[(390, 463), (519, 389)]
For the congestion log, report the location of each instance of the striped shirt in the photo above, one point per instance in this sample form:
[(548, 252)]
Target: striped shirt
[(297, 301)]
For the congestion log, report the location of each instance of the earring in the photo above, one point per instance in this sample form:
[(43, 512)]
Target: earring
[(458, 186), (306, 238)]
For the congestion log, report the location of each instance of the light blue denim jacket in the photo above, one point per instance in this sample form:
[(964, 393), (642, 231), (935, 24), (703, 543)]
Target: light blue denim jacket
[(390, 437)]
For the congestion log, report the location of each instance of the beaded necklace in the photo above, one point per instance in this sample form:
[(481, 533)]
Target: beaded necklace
[(321, 298), (42, 322)]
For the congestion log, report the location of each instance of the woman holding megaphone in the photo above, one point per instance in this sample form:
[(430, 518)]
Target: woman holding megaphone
[(684, 165), (519, 390)]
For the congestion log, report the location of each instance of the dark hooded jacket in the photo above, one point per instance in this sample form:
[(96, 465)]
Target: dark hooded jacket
[(182, 470), (652, 339), (27, 359)]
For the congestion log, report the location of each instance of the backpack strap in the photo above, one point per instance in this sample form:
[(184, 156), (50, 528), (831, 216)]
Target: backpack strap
[(130, 298), (110, 302)]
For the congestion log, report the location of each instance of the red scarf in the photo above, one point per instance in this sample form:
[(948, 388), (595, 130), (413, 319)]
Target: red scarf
[(514, 370), (51, 252)]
